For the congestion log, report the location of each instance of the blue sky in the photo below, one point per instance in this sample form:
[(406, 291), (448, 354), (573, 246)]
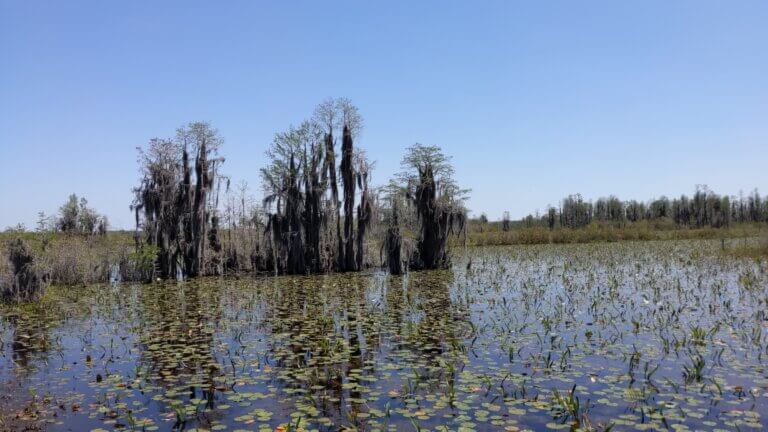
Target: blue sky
[(534, 100)]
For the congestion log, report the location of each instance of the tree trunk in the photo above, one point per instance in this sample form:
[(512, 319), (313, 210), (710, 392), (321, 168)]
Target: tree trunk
[(348, 179)]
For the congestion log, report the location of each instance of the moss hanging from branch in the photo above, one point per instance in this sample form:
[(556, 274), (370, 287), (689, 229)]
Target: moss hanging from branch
[(393, 244), (313, 211), (303, 197), (437, 221), (348, 180), (436, 200), (176, 213), (330, 169), (364, 210)]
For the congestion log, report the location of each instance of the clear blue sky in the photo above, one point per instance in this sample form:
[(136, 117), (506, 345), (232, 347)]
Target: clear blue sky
[(535, 100)]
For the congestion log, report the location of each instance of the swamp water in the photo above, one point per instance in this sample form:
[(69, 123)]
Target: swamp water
[(628, 336)]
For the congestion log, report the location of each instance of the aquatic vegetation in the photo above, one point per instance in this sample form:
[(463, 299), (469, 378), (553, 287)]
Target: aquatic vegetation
[(626, 336)]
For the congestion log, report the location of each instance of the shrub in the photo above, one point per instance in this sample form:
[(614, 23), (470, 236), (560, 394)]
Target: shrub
[(24, 282)]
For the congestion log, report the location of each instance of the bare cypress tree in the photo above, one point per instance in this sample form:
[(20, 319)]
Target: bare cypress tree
[(551, 217), (364, 209), (393, 243), (158, 204), (197, 216), (332, 115), (330, 168), (184, 206), (437, 201), (437, 221), (294, 239), (348, 180), (313, 212), (326, 116)]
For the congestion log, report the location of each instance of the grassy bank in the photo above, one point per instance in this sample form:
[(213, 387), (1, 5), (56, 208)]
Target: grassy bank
[(492, 234), (72, 259)]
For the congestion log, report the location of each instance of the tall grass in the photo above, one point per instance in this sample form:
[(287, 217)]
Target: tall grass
[(75, 259), (595, 232)]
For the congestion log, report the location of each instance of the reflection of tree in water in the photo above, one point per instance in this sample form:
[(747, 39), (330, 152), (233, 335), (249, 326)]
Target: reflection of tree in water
[(330, 336), (436, 330), (176, 328), (31, 341), (360, 322), (32, 330), (323, 342), (28, 340), (430, 329)]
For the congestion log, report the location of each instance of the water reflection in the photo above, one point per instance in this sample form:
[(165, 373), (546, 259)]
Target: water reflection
[(31, 340), (175, 328)]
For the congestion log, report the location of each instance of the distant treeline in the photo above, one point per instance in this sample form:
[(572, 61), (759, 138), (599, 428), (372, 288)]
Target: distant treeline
[(704, 209)]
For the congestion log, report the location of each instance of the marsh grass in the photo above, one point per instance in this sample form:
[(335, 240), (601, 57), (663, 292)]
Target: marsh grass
[(755, 249), (493, 234), (76, 259)]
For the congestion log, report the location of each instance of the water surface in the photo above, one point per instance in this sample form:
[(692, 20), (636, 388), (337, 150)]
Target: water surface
[(629, 336)]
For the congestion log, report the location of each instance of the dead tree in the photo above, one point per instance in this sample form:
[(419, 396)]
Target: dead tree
[(393, 244), (348, 180), (313, 213), (330, 168), (364, 210), (294, 240)]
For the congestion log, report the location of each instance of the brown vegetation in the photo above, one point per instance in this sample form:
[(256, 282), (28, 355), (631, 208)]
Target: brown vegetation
[(492, 234), (24, 282)]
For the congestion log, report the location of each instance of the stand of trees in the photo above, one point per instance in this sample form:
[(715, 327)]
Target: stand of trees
[(424, 206), (438, 202), (303, 209), (75, 217), (316, 216), (176, 214), (704, 209)]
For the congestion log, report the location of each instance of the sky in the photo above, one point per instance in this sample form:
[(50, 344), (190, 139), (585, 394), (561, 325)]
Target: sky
[(533, 100)]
